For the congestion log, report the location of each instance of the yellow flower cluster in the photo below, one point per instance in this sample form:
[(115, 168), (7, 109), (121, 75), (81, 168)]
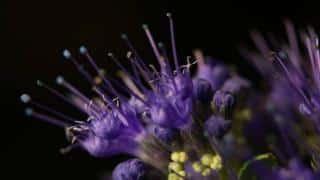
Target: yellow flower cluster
[(176, 167), (207, 163)]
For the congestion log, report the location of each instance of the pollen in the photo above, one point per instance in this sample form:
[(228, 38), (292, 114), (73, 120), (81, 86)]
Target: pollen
[(182, 173), (176, 167), (183, 157), (173, 176), (216, 163), (197, 167), (207, 159), (208, 162), (206, 172), (175, 156)]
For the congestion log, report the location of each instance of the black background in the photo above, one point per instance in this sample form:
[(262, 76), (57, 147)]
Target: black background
[(35, 33)]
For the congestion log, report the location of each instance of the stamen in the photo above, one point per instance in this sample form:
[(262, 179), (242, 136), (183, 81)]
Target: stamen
[(79, 67), (61, 81), (115, 60), (146, 76), (101, 94), (67, 149), (130, 84), (294, 54), (83, 50), (260, 43), (25, 98), (313, 44), (45, 118), (153, 44), (154, 69), (112, 104), (58, 94), (199, 57), (129, 91), (168, 68), (66, 53), (165, 58), (287, 73), (173, 43), (317, 59), (312, 60), (128, 75), (188, 65), (136, 54)]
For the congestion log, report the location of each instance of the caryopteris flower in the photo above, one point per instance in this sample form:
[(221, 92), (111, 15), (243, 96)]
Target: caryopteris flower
[(132, 169), (203, 126)]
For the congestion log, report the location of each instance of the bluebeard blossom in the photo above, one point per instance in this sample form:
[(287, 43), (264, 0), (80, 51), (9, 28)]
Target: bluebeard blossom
[(223, 100), (211, 70), (297, 72), (292, 101), (180, 124), (203, 91), (150, 118), (165, 135), (217, 126), (130, 169)]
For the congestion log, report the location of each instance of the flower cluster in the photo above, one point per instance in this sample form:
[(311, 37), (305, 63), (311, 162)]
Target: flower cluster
[(211, 124)]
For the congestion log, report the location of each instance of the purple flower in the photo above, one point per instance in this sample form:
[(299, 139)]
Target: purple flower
[(121, 111), (223, 100), (211, 70), (173, 113), (298, 72), (202, 90), (132, 169), (217, 126), (167, 118), (164, 134), (235, 84), (99, 147), (109, 132)]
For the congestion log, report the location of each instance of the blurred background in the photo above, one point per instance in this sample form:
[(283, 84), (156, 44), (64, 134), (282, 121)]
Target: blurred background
[(35, 33)]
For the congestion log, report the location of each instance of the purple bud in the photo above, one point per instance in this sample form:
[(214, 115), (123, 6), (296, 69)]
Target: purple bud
[(220, 74), (223, 101), (202, 90), (132, 169), (214, 72), (235, 84), (164, 134), (216, 126)]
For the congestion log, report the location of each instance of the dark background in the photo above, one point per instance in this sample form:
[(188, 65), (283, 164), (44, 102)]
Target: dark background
[(35, 33)]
